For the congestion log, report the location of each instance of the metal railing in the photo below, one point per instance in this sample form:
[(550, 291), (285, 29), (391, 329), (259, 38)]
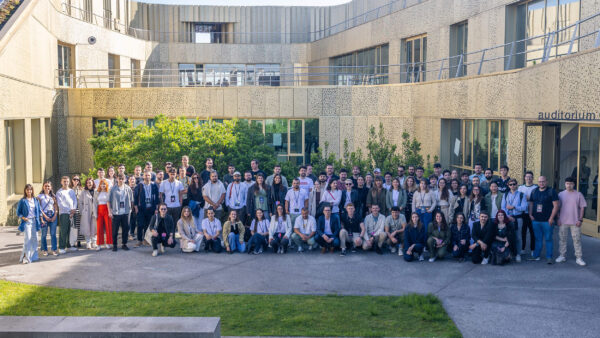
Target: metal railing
[(237, 37), (580, 36)]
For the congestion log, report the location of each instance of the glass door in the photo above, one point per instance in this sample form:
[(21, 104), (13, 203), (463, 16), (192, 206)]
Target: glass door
[(587, 169)]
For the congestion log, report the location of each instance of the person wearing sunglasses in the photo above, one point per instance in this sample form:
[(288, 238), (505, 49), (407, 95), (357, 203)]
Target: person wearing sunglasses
[(163, 230), (514, 203), (350, 195)]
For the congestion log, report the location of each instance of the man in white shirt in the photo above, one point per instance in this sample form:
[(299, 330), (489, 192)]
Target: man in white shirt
[(214, 195), (305, 228), (101, 176), (235, 197), (67, 205), (375, 230), (171, 192), (306, 183), (295, 200)]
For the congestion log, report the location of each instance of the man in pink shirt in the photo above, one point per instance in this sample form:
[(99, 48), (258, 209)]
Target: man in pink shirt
[(572, 205)]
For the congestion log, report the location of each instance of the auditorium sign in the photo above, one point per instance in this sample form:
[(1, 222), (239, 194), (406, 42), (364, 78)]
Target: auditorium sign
[(559, 115)]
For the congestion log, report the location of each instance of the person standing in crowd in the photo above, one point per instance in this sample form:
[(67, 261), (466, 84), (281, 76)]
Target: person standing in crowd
[(145, 203), (103, 220), (233, 233), (101, 176), (278, 192), (341, 182), (438, 237), (260, 233), (410, 187), (122, 170), (571, 217), (424, 203), (49, 208), (514, 203), (29, 212), (205, 174), (433, 183), (185, 163), (171, 192), (374, 230), (160, 177), (295, 199), (77, 188), (133, 215), (163, 230), (476, 205), (328, 229), (185, 181), (476, 182), (477, 172), (377, 173), (280, 230), (461, 201), (314, 198), (503, 179), (488, 178), (411, 171), (309, 173), (363, 191), (67, 206), (464, 180), (454, 186), (87, 224), (332, 197), (377, 195), (401, 176), (148, 168), (235, 198), (352, 229), (395, 196), (111, 176), (526, 189), (228, 178), (369, 181), (255, 170), (168, 167), (419, 175), (137, 174), (355, 175), (211, 226), (493, 200), (214, 195), (277, 171), (444, 199), (330, 174), (503, 239), (258, 198), (394, 227), (414, 239), (305, 228), (543, 208), (191, 238), (196, 200), (120, 203), (454, 175), (460, 237), (306, 183), (349, 195), (248, 182), (482, 235)]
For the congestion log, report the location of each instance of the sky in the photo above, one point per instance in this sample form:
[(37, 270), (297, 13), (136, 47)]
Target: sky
[(250, 2)]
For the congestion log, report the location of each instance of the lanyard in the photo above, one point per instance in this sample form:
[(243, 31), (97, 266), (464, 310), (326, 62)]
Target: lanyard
[(212, 226), (296, 197), (422, 197), (148, 190), (172, 188)]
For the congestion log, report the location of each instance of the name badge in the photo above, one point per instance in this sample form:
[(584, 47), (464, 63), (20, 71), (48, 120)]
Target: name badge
[(296, 210), (261, 199), (147, 201), (121, 205), (172, 198), (539, 207), (237, 204)]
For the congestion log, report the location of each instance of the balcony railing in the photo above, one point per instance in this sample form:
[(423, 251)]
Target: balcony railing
[(580, 36)]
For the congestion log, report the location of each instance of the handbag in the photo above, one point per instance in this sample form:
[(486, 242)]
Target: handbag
[(73, 232)]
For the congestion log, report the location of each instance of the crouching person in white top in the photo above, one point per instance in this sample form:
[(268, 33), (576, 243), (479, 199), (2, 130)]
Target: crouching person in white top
[(305, 228), (191, 238), (162, 229), (211, 226), (375, 234), (280, 230)]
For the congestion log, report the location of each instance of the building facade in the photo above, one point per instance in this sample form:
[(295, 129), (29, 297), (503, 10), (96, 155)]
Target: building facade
[(492, 82)]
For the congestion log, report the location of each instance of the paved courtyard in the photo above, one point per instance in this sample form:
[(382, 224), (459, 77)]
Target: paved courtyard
[(528, 299)]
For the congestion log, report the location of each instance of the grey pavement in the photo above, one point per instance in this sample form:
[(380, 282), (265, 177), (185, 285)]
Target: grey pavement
[(528, 299)]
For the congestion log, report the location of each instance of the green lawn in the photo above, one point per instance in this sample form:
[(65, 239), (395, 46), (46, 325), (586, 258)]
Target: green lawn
[(246, 315)]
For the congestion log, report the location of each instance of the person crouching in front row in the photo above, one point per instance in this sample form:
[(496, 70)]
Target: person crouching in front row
[(212, 229), (162, 229), (191, 238), (328, 231)]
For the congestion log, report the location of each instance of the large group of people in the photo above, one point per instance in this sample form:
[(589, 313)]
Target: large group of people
[(479, 217)]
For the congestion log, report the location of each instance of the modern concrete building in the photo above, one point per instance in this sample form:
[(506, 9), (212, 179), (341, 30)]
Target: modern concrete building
[(491, 81)]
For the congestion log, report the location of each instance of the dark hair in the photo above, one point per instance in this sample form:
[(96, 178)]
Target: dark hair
[(504, 167), (277, 166), (51, 194), (420, 168), (488, 169), (479, 196), (419, 223), (195, 187), (255, 161), (330, 184), (256, 213), (387, 173), (443, 225), (529, 172), (302, 167), (396, 209), (100, 169), (230, 166), (493, 182), (466, 187), (445, 195), (401, 166), (343, 170), (282, 208), (161, 204), (464, 173), (505, 217), (478, 164), (569, 179), (173, 171), (437, 165), (281, 186), (323, 173), (148, 163), (86, 181), (121, 165), (27, 187), (456, 217), (446, 171)]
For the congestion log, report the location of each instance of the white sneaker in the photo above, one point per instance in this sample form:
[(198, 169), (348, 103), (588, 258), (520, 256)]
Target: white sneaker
[(62, 251), (421, 258), (154, 253), (518, 258), (310, 247), (72, 248), (106, 246), (98, 248), (89, 245), (162, 249), (484, 261), (399, 252), (561, 259), (300, 249), (580, 262), (393, 249), (432, 259)]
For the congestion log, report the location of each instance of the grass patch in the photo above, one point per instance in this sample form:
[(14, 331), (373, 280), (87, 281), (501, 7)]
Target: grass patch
[(246, 315)]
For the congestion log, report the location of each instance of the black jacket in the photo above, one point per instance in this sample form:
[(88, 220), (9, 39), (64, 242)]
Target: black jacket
[(334, 222), (139, 196), (169, 224), (351, 224), (355, 199), (277, 195), (458, 235), (413, 235), (485, 234)]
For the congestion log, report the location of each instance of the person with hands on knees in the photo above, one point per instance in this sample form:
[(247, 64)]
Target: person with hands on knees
[(460, 237), (482, 235), (233, 233), (280, 230), (211, 226), (162, 229), (328, 230), (438, 236), (305, 228), (375, 234), (414, 239)]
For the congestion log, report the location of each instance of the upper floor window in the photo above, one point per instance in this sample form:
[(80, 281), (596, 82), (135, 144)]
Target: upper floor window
[(459, 34), (367, 66), (414, 57), (65, 67)]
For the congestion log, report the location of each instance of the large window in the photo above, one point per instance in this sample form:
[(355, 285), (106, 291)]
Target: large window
[(529, 19), (65, 68), (458, 49), (208, 32), (114, 73), (414, 55), (468, 142), (367, 66), (225, 75)]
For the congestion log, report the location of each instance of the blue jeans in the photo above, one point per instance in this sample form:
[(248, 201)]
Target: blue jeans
[(234, 243), (542, 229), (52, 226), (257, 241), (425, 218)]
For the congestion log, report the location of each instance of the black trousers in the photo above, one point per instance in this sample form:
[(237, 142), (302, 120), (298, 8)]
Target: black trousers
[(143, 220), (175, 213), (162, 240), (461, 251), (132, 222), (477, 255), (121, 221), (279, 240), (527, 226), (213, 244)]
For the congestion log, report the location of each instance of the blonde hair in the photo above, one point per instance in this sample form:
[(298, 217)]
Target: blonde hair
[(188, 219)]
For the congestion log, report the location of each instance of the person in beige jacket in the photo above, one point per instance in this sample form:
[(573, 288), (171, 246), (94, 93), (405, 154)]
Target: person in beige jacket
[(191, 239), (233, 233), (87, 210)]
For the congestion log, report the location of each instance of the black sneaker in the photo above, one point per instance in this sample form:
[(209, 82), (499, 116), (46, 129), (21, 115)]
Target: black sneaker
[(343, 253), (378, 250), (114, 248), (124, 247), (353, 248)]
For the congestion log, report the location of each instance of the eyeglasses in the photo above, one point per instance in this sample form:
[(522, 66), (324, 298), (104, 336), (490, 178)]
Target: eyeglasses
[(348, 183), (163, 209), (511, 184), (75, 179)]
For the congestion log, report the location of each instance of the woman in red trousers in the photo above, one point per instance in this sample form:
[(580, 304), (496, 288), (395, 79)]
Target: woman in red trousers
[(103, 220)]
